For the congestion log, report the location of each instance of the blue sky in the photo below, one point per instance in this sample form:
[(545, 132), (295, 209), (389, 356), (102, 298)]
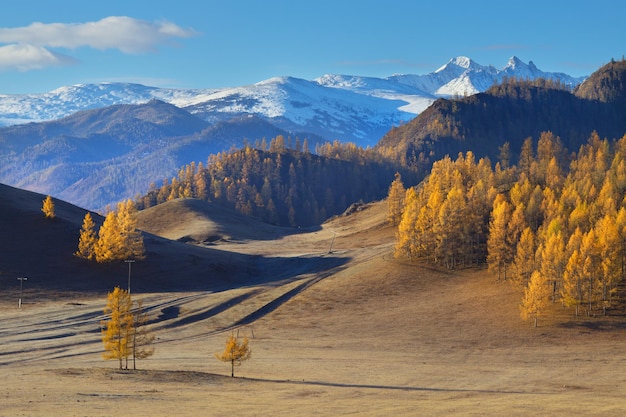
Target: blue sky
[(212, 44)]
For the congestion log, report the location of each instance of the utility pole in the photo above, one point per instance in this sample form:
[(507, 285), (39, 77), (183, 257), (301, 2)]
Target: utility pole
[(19, 302), (331, 242), (129, 262)]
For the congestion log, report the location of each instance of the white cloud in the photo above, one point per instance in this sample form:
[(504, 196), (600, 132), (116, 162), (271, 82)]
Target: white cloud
[(115, 32), (29, 47), (25, 57)]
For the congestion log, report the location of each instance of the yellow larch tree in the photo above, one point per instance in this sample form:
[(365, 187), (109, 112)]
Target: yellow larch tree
[(571, 292), (235, 352), (426, 225), (118, 329), (88, 239), (405, 235), (591, 269), (450, 228), (48, 208), (553, 259), (536, 297), (524, 261), (132, 240), (110, 244), (498, 250), (395, 200), (118, 237), (620, 224)]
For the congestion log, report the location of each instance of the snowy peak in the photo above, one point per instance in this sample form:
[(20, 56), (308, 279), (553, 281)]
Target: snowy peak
[(514, 63), (459, 64), (345, 107)]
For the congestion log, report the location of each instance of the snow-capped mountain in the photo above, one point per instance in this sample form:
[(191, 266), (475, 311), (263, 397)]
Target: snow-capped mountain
[(348, 108)]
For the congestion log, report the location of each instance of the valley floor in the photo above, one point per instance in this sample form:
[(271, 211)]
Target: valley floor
[(370, 336)]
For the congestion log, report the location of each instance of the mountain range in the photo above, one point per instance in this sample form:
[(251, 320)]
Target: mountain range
[(96, 144), (348, 108)]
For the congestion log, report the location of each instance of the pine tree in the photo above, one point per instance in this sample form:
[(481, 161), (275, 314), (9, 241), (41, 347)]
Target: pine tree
[(88, 239), (48, 207)]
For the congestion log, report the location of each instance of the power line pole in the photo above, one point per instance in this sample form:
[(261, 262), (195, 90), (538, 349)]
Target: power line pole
[(331, 242), (19, 301), (129, 262)]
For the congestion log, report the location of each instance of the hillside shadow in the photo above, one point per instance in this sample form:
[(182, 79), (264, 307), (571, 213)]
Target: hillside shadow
[(183, 268), (603, 324)]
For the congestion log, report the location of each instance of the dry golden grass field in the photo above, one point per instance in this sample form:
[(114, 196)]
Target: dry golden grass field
[(352, 332)]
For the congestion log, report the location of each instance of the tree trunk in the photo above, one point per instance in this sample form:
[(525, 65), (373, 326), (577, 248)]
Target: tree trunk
[(232, 368)]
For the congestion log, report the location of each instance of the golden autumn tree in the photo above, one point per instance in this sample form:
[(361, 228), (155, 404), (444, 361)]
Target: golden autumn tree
[(571, 292), (591, 269), (395, 200), (536, 297), (524, 261), (48, 207), (610, 245), (405, 235), (118, 329), (110, 245), (88, 239), (235, 352), (498, 249), (451, 231), (132, 240), (553, 259), (118, 237)]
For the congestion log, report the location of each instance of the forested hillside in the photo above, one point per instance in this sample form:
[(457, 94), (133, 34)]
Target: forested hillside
[(283, 186), (555, 226), (511, 112)]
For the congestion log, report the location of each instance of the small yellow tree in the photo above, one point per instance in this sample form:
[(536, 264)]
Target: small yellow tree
[(48, 208), (118, 330), (395, 200), (132, 240), (235, 352), (536, 297), (88, 239)]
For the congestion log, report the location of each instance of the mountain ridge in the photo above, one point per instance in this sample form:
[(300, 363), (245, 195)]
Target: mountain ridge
[(512, 112), (344, 107)]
